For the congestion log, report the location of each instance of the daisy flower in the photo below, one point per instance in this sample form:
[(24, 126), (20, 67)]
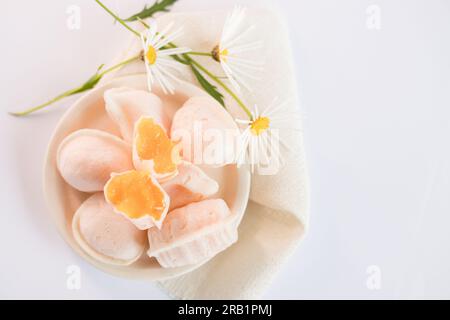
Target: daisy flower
[(260, 143), (157, 55), (233, 46)]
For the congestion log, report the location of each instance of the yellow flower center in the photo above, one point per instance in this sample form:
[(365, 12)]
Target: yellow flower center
[(219, 54), (260, 125), (151, 55), (224, 53)]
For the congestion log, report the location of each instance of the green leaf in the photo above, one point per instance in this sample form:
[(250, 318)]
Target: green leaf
[(211, 89), (91, 82), (181, 60), (88, 85), (158, 6)]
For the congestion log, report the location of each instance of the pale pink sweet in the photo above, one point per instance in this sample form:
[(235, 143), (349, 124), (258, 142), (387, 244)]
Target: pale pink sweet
[(207, 131), (193, 234), (126, 106), (190, 185), (105, 235), (87, 157)]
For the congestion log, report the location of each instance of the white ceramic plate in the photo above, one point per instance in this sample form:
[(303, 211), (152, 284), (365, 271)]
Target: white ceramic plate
[(63, 200)]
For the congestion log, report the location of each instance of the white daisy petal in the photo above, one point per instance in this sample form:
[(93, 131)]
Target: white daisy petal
[(243, 143), (256, 111), (173, 52), (253, 141), (230, 76), (242, 76), (162, 34), (158, 64), (235, 78), (245, 122), (239, 37), (273, 110), (261, 138), (169, 38), (265, 150), (234, 46), (247, 63), (171, 64), (253, 46), (233, 22), (168, 74), (239, 65), (161, 80)]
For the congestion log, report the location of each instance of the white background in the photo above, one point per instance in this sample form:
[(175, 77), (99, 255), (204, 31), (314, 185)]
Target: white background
[(376, 107)]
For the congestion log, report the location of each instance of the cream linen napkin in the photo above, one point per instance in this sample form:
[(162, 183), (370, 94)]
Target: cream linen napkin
[(277, 216)]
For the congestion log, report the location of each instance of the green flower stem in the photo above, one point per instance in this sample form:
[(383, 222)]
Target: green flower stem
[(205, 54), (121, 64), (217, 80), (187, 58), (117, 18), (77, 90), (224, 86), (42, 106), (191, 53)]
